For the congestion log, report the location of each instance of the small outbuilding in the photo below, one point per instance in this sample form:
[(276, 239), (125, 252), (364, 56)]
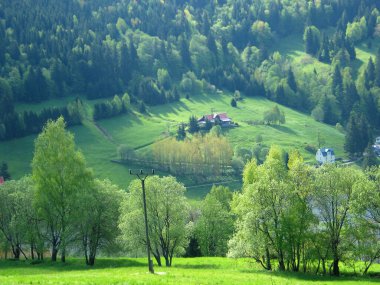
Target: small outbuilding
[(325, 155)]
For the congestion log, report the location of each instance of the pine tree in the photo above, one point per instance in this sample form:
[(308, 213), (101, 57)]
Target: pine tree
[(324, 51), (181, 133), (377, 68), (337, 84), (358, 134), (369, 75), (4, 171), (193, 125), (291, 80)]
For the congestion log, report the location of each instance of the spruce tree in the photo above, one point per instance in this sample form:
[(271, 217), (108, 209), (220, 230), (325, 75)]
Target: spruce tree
[(377, 68), (4, 171), (291, 80), (369, 74), (193, 125)]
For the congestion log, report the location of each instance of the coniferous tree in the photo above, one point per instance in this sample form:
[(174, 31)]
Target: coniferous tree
[(337, 84), (357, 134), (377, 68), (193, 125), (324, 51), (290, 79), (369, 75), (181, 133), (4, 171)]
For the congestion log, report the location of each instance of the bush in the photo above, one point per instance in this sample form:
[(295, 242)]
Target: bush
[(310, 148)]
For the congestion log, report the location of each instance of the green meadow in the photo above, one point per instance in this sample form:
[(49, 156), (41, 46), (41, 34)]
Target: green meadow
[(99, 142), (184, 271)]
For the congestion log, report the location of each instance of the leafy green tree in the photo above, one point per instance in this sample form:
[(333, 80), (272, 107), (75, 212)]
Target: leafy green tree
[(274, 116), (167, 210), (215, 226), (334, 197), (126, 100), (60, 175), (17, 216), (260, 209), (98, 218)]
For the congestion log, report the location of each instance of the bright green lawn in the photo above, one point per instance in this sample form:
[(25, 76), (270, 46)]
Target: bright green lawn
[(184, 271)]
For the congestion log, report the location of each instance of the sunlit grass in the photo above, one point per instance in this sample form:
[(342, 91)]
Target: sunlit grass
[(183, 271)]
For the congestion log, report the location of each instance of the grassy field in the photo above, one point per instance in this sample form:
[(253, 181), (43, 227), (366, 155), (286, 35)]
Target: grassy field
[(139, 131), (183, 271)]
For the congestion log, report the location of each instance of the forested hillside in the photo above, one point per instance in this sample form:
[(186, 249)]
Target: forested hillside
[(158, 51)]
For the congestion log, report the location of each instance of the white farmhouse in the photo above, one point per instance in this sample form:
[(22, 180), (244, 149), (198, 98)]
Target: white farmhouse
[(377, 141), (325, 155)]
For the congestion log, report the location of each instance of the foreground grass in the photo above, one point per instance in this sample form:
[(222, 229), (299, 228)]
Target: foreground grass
[(184, 271)]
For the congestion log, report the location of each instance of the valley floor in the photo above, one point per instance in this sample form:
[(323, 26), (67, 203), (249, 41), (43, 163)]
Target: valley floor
[(184, 271)]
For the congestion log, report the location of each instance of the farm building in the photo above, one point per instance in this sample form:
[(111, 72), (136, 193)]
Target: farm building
[(325, 155), (217, 118)]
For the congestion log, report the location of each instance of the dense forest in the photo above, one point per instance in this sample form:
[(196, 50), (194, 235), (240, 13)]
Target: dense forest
[(158, 51)]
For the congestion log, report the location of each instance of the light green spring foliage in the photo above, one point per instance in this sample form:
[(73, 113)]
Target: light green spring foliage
[(60, 176), (215, 226), (168, 211), (17, 214), (98, 219)]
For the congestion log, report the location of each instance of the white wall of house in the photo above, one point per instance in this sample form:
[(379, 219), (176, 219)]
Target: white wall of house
[(328, 158)]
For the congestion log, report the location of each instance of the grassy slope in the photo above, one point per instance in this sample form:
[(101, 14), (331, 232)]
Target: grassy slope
[(184, 271), (136, 130)]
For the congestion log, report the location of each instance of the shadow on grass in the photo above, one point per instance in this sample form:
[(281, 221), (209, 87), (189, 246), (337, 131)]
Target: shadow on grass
[(69, 265), (313, 277), (283, 129), (197, 266)]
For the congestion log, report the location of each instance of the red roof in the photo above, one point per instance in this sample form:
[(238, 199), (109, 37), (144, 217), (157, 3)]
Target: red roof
[(211, 117)]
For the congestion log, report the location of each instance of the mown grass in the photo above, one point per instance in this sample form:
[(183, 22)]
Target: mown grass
[(183, 271)]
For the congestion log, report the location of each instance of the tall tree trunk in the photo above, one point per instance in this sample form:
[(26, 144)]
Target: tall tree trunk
[(281, 264), (54, 253), (32, 251), (63, 255), (324, 266), (16, 252), (157, 257), (336, 266), (267, 259), (335, 263)]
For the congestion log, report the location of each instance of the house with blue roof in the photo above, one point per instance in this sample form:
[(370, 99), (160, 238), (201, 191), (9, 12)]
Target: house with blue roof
[(325, 155)]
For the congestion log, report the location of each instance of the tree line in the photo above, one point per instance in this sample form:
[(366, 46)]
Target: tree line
[(18, 124), (202, 155)]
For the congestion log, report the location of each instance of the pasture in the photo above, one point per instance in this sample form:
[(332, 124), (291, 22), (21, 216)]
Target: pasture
[(99, 142), (184, 271)]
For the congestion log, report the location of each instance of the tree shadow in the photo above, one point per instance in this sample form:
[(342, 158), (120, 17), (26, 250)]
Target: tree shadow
[(283, 129), (197, 266)]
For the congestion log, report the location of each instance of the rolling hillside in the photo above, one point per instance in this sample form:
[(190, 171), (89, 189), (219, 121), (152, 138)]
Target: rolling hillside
[(99, 144)]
